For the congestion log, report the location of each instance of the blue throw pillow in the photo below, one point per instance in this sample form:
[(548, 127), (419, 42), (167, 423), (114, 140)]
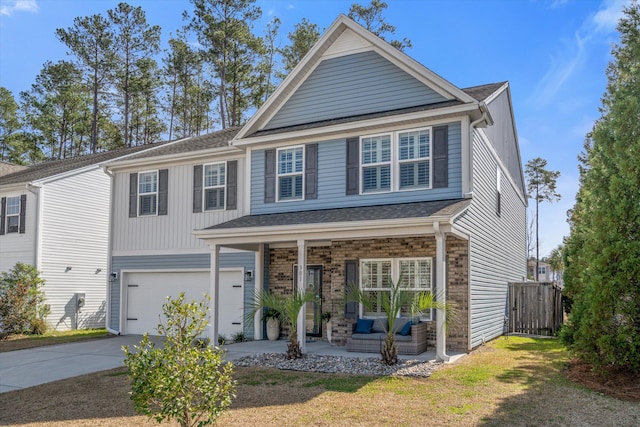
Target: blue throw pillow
[(406, 329), (363, 326)]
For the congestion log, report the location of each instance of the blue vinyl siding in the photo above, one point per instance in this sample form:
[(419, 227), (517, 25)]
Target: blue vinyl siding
[(173, 262), (497, 245), (350, 85), (332, 181)]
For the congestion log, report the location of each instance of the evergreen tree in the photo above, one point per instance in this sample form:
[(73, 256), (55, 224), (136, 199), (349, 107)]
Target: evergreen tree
[(603, 250), (90, 40), (223, 28), (541, 186), (56, 109), (9, 125), (370, 17), (135, 43), (301, 40), (189, 93)]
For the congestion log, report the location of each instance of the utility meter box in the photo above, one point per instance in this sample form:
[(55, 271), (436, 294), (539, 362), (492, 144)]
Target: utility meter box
[(80, 300)]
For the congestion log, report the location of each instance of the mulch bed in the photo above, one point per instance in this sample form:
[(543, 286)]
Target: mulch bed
[(618, 383)]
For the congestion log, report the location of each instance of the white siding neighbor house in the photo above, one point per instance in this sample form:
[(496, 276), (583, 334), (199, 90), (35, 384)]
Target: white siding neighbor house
[(55, 216), (365, 165)]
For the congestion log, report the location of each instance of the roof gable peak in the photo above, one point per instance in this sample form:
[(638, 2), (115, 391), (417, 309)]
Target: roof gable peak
[(346, 37)]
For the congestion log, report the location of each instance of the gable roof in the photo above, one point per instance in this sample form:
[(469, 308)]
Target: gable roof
[(56, 167), (332, 45)]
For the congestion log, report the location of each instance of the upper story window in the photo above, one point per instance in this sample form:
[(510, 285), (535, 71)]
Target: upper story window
[(414, 158), (411, 274), (290, 173), (214, 186), (148, 193), (13, 214), (396, 161), (376, 163)]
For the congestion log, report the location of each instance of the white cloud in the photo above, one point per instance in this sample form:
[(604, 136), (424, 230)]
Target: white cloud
[(8, 7), (606, 19), (572, 55)]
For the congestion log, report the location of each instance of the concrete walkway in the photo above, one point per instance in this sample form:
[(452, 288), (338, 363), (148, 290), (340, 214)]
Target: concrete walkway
[(26, 368)]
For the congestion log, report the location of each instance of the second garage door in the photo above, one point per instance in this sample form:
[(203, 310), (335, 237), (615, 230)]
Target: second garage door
[(147, 291)]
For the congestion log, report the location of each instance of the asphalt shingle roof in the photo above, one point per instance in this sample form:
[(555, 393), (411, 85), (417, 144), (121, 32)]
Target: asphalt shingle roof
[(360, 213), (215, 139), (55, 167)]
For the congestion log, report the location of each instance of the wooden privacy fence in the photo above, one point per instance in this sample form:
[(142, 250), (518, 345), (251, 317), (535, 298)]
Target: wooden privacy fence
[(535, 308)]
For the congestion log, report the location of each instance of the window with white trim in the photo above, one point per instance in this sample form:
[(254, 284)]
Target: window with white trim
[(412, 274), (214, 186), (148, 193), (13, 214), (290, 173), (376, 163), (414, 159), (396, 161)]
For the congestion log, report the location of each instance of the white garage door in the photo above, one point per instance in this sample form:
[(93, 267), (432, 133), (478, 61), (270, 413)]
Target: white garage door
[(147, 292)]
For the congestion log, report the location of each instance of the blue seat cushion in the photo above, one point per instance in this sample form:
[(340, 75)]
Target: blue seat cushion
[(406, 329), (363, 326)]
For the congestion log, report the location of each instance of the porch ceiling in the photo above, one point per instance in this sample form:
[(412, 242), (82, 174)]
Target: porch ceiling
[(404, 219)]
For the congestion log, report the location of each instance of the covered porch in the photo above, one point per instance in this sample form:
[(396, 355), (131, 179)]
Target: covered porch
[(334, 241)]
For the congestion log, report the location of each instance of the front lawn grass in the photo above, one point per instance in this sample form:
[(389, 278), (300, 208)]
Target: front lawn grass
[(21, 342), (509, 382)]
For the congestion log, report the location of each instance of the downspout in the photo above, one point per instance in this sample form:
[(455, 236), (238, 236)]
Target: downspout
[(36, 190), (441, 294), (110, 228), (485, 117)]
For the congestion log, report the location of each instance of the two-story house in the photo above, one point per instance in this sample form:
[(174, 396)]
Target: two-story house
[(55, 216), (365, 165), (159, 197)]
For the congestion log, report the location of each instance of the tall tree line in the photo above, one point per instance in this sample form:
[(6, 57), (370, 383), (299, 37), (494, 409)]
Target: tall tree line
[(117, 88)]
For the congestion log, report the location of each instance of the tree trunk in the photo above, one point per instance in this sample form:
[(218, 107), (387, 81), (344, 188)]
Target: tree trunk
[(389, 351), (537, 234)]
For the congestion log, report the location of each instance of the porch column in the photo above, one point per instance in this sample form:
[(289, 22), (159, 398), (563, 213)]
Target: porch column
[(215, 294), (302, 286), (259, 287), (441, 294)]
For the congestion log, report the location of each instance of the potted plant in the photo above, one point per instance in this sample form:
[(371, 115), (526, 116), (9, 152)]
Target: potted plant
[(272, 317), (326, 316)]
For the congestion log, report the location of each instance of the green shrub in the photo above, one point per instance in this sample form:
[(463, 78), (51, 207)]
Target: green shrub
[(181, 380), (239, 337), (22, 308)]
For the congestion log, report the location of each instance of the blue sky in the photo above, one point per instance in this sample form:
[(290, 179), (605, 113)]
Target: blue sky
[(554, 53)]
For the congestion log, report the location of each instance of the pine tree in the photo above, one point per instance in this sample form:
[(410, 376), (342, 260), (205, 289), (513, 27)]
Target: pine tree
[(90, 40), (135, 43), (304, 35), (541, 186), (9, 124)]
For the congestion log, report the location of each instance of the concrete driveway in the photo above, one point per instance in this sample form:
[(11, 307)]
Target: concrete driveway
[(26, 368)]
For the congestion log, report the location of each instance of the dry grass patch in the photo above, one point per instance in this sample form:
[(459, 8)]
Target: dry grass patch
[(22, 342), (509, 382)]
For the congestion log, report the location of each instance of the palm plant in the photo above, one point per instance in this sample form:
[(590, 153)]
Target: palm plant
[(391, 303), (288, 307)]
